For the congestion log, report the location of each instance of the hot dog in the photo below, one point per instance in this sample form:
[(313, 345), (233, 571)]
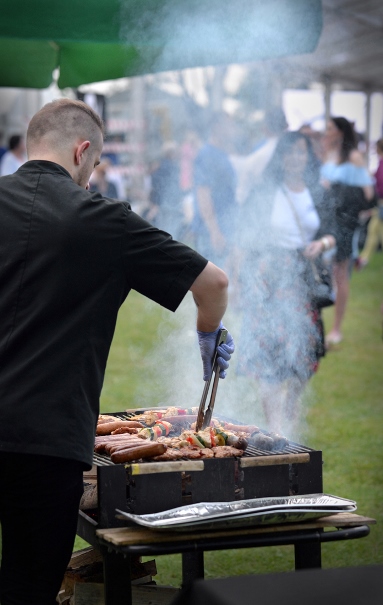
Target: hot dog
[(114, 447), (103, 444), (125, 429), (105, 418), (238, 442), (146, 450), (107, 427), (244, 428)]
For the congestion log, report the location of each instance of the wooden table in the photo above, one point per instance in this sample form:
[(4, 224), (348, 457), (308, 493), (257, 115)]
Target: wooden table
[(119, 544)]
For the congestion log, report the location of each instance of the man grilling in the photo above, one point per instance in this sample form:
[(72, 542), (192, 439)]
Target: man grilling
[(69, 258)]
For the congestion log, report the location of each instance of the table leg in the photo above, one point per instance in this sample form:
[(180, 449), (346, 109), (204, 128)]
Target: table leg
[(117, 582), (192, 567), (308, 555)]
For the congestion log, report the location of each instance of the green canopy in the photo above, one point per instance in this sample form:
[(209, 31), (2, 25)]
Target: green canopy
[(95, 40)]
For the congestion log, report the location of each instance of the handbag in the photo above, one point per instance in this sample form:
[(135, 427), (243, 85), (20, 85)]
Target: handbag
[(319, 280), (318, 274)]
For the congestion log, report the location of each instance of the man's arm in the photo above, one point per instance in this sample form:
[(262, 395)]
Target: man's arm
[(210, 292), (210, 295)]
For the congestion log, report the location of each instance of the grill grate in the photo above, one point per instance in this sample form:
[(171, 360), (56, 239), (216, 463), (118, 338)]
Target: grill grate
[(251, 451)]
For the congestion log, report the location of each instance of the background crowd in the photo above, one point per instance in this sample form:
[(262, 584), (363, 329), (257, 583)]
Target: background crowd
[(265, 216)]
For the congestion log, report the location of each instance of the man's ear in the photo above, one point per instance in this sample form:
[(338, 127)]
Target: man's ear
[(79, 150)]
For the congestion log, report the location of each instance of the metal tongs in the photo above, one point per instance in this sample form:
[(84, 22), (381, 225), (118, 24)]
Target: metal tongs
[(204, 418)]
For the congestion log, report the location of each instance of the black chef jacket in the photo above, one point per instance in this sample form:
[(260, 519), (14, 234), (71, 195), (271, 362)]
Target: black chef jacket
[(68, 259)]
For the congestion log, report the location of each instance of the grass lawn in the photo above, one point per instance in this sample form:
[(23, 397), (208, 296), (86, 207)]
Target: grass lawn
[(154, 359)]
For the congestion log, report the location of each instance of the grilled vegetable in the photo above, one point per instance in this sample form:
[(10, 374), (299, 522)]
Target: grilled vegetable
[(160, 429)]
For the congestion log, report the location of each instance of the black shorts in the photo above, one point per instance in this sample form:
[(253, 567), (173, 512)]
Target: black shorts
[(344, 235)]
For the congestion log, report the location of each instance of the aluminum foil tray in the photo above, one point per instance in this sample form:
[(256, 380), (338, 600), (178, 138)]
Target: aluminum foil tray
[(242, 513)]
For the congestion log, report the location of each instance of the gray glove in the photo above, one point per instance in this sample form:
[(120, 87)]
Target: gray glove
[(207, 343)]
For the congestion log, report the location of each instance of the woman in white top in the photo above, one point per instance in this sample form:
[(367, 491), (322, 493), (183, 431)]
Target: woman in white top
[(287, 223)]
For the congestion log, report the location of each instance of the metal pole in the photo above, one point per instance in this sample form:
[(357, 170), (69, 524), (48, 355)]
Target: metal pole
[(327, 97), (368, 124)]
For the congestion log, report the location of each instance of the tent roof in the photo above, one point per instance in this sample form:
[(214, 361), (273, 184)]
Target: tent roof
[(350, 49), (96, 40)]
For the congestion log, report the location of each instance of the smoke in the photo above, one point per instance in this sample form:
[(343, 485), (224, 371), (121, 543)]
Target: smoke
[(178, 377), (173, 35)]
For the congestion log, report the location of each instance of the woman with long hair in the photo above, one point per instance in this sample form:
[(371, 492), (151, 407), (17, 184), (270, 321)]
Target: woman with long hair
[(287, 224), (345, 175)]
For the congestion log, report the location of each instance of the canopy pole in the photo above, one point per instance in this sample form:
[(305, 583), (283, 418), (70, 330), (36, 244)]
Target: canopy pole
[(368, 124), (138, 104), (327, 97)]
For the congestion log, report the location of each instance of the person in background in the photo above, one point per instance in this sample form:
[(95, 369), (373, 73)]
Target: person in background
[(375, 226), (315, 137), (345, 175), (100, 182), (249, 168), (288, 223), (214, 193), (14, 157), (72, 257), (165, 195), (3, 148), (188, 152)]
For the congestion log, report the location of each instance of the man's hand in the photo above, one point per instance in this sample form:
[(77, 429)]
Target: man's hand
[(207, 344)]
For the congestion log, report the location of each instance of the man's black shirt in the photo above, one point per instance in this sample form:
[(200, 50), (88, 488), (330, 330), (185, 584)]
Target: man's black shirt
[(68, 259)]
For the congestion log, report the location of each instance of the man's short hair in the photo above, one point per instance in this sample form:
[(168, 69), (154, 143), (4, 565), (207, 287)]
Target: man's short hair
[(64, 119)]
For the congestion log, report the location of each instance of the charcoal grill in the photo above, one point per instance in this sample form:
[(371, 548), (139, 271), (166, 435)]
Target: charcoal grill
[(151, 487), (156, 486)]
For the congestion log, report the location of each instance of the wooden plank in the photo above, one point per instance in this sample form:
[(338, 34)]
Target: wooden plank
[(85, 556), (274, 460), (154, 595), (149, 468), (89, 499), (142, 535)]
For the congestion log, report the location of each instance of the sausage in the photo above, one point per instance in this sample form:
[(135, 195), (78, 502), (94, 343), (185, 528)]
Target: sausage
[(114, 447), (280, 442), (105, 418), (238, 442), (102, 444), (125, 429), (107, 427), (112, 438), (146, 450), (261, 441), (109, 447), (244, 428)]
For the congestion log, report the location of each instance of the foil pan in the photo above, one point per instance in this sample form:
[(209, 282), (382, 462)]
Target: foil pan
[(240, 513)]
